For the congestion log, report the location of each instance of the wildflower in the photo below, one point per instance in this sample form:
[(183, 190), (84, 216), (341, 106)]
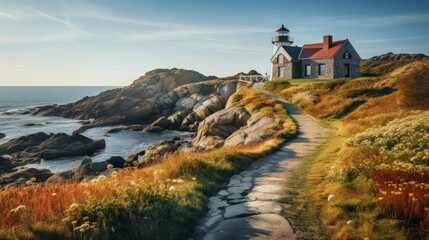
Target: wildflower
[(194, 179), (102, 177), (28, 183), (109, 166), (172, 189), (95, 180), (20, 208), (161, 186), (76, 229), (174, 180), (73, 223), (380, 198), (330, 197), (33, 179), (168, 180), (179, 181), (64, 220), (426, 209), (82, 230), (86, 219), (349, 222), (74, 206), (84, 226), (114, 173), (54, 194)]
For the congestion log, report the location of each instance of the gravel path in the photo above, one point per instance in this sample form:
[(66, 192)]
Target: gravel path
[(248, 207)]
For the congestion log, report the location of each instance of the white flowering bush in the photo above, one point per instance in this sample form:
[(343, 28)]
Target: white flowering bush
[(405, 139)]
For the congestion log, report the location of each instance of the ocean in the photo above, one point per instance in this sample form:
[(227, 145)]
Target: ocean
[(16, 100)]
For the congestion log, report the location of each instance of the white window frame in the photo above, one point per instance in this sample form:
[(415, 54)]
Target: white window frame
[(322, 73), (307, 70)]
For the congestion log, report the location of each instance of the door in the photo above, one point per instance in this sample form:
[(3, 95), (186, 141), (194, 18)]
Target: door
[(347, 70)]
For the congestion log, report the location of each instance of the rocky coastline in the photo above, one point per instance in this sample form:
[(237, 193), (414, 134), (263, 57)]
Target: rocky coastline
[(173, 99)]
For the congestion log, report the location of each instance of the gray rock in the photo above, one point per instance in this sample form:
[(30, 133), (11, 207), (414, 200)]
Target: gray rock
[(2, 135), (256, 130), (251, 208), (220, 125), (26, 174), (263, 226)]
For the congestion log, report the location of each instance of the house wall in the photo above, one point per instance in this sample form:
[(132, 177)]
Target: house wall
[(340, 62), (329, 68), (286, 65)]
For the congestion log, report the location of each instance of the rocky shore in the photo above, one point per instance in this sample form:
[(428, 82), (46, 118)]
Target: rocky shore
[(174, 99)]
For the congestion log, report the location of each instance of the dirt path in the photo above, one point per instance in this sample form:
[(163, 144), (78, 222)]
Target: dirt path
[(248, 208)]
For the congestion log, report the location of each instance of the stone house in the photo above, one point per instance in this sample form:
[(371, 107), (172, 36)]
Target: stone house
[(327, 60)]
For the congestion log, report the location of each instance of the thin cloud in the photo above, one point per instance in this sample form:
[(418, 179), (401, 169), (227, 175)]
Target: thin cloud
[(6, 15)]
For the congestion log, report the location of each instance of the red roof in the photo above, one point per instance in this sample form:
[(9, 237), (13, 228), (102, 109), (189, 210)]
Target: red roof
[(316, 50)]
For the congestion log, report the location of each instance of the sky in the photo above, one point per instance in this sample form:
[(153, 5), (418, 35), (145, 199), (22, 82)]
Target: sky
[(111, 43)]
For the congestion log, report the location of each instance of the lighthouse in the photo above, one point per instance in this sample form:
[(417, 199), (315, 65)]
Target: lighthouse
[(282, 38)]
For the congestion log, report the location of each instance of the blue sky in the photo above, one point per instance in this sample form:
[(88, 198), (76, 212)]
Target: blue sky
[(106, 42)]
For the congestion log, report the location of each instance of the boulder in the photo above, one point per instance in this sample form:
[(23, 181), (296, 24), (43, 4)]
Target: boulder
[(226, 91), (26, 174), (135, 156), (213, 130), (21, 143), (255, 131), (87, 169), (2, 135), (185, 104), (159, 125), (31, 148), (6, 165), (157, 151)]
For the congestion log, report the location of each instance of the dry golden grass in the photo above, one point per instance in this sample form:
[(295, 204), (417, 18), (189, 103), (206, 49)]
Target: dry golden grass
[(354, 175)]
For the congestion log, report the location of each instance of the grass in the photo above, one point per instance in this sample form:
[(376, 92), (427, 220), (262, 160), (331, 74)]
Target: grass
[(375, 163), (161, 201)]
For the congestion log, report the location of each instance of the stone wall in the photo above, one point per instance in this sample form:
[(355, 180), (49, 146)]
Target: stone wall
[(286, 65), (314, 63)]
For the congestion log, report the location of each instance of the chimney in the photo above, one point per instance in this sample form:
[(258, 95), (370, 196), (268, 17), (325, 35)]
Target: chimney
[(327, 41)]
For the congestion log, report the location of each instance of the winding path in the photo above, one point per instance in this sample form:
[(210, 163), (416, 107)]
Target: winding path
[(248, 207)]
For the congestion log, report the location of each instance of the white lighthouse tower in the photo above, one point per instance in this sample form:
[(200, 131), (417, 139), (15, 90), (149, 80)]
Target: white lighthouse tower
[(281, 39)]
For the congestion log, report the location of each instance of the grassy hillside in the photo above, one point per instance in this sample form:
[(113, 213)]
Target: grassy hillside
[(386, 63), (162, 201), (371, 180)]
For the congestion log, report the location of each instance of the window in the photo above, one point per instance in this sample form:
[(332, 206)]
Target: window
[(280, 72), (347, 55), (322, 69), (280, 58), (307, 70)]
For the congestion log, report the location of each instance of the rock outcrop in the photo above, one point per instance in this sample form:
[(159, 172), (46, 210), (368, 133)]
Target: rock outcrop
[(255, 131), (146, 98), (34, 147), (87, 169), (194, 103), (213, 131), (2, 135), (23, 175)]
